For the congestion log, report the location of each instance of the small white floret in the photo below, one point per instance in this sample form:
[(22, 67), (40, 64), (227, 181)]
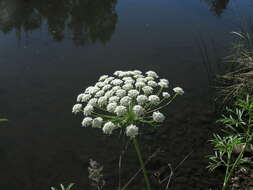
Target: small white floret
[(121, 93), (127, 86), (93, 101), (154, 99), (111, 107), (133, 93), (97, 122), (102, 101), (138, 110), (108, 128), (77, 108), (152, 84), (142, 99), (139, 84), (178, 90), (88, 110), (158, 117), (125, 101), (87, 121), (152, 74), (120, 110), (166, 95), (114, 99), (103, 77), (147, 90), (132, 131)]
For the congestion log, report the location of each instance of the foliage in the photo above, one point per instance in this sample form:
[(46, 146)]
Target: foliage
[(237, 125), (238, 79)]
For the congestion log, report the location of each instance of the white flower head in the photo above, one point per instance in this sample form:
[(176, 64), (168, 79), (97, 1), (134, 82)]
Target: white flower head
[(137, 72), (93, 90), (129, 81), (79, 97), (109, 94), (102, 101), (97, 122), (106, 87), (111, 107), (125, 101), (149, 79), (158, 117), (117, 73), (138, 110), (87, 90), (154, 99), (103, 77), (77, 108), (93, 101), (138, 76), (139, 84), (152, 84), (100, 84), (108, 127), (87, 121), (114, 99), (120, 110), (178, 90), (116, 82), (166, 95), (121, 93), (152, 74), (147, 90), (164, 83), (88, 110), (127, 86), (115, 88), (142, 99), (99, 93), (133, 93), (132, 131), (108, 80)]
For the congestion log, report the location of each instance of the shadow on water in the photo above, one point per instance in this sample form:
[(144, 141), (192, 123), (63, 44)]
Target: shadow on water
[(89, 21), (217, 6)]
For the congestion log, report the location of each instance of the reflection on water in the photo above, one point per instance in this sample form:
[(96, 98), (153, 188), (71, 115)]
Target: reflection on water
[(217, 6), (88, 21)]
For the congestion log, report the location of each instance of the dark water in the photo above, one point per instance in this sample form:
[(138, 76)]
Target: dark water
[(52, 49)]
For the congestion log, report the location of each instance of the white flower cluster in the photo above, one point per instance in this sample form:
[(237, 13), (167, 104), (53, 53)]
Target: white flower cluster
[(126, 99)]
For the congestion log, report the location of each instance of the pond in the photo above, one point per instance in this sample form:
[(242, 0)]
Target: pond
[(53, 49)]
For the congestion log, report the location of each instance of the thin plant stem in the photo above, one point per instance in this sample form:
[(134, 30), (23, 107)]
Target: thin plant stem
[(136, 145), (226, 182), (227, 173)]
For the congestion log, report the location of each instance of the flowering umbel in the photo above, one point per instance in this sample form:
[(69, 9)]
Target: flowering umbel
[(125, 101)]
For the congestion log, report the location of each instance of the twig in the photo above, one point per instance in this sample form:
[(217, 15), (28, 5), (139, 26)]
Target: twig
[(171, 170)]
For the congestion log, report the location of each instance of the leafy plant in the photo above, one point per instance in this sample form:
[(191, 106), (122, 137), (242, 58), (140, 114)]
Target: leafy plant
[(237, 81), (238, 127), (62, 187)]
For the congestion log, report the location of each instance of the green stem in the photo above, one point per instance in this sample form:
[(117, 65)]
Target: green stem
[(136, 145), (226, 182), (3, 120)]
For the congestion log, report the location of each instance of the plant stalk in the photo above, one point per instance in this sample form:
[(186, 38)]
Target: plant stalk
[(136, 145)]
